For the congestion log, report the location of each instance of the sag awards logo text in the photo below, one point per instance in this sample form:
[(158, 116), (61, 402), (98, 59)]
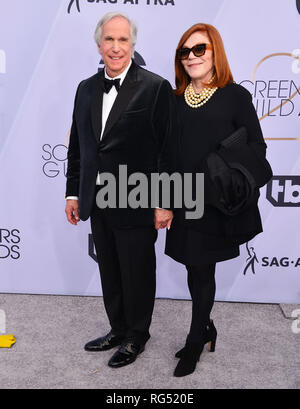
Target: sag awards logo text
[(276, 97), (9, 244), (54, 160), (76, 4)]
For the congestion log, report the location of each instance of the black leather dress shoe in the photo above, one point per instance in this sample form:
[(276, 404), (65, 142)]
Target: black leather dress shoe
[(104, 343), (126, 354)]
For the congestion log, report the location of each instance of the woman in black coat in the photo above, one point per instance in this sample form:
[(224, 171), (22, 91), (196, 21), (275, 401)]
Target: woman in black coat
[(211, 107)]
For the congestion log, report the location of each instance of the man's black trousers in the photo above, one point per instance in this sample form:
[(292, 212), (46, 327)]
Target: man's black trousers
[(127, 263)]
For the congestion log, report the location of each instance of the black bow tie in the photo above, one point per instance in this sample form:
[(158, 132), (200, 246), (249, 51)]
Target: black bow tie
[(108, 84)]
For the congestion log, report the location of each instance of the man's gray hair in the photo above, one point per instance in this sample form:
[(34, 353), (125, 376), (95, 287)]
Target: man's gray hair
[(109, 16)]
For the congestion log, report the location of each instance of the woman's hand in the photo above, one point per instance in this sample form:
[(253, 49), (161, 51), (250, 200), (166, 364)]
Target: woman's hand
[(163, 218)]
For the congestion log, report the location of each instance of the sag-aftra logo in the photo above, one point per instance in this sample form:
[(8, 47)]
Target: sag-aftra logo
[(76, 4)]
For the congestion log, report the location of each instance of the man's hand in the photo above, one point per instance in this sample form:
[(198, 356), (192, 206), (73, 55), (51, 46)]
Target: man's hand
[(72, 211), (162, 218)]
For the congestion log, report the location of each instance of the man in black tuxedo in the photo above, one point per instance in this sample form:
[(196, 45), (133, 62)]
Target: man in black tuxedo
[(123, 115)]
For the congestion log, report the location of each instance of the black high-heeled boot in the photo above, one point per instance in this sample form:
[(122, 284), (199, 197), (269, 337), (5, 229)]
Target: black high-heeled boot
[(209, 337), (189, 358)]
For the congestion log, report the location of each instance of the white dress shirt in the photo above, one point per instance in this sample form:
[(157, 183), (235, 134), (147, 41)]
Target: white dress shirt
[(108, 101)]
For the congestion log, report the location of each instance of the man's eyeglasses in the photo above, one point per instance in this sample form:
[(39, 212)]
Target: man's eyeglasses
[(198, 50)]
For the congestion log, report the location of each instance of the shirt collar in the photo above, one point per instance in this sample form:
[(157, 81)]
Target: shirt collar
[(121, 76)]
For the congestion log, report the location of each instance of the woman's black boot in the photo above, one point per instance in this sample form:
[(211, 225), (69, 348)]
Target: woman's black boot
[(209, 337), (189, 358)]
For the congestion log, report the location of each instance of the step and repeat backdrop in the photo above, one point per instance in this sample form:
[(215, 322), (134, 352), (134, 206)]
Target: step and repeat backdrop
[(47, 48)]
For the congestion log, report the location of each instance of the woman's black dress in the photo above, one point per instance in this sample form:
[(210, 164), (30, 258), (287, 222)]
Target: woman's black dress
[(194, 242)]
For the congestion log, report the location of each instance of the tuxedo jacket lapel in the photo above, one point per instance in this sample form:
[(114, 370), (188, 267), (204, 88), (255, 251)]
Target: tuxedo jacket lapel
[(127, 91), (96, 106)]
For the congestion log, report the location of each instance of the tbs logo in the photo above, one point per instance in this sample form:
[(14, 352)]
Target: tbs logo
[(284, 191)]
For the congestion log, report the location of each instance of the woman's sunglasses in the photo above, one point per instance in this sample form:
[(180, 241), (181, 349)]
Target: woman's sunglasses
[(198, 51)]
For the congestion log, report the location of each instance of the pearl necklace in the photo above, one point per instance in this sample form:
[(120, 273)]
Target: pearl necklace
[(197, 100)]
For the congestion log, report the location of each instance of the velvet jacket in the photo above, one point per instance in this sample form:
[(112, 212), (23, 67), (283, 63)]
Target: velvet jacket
[(140, 133)]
